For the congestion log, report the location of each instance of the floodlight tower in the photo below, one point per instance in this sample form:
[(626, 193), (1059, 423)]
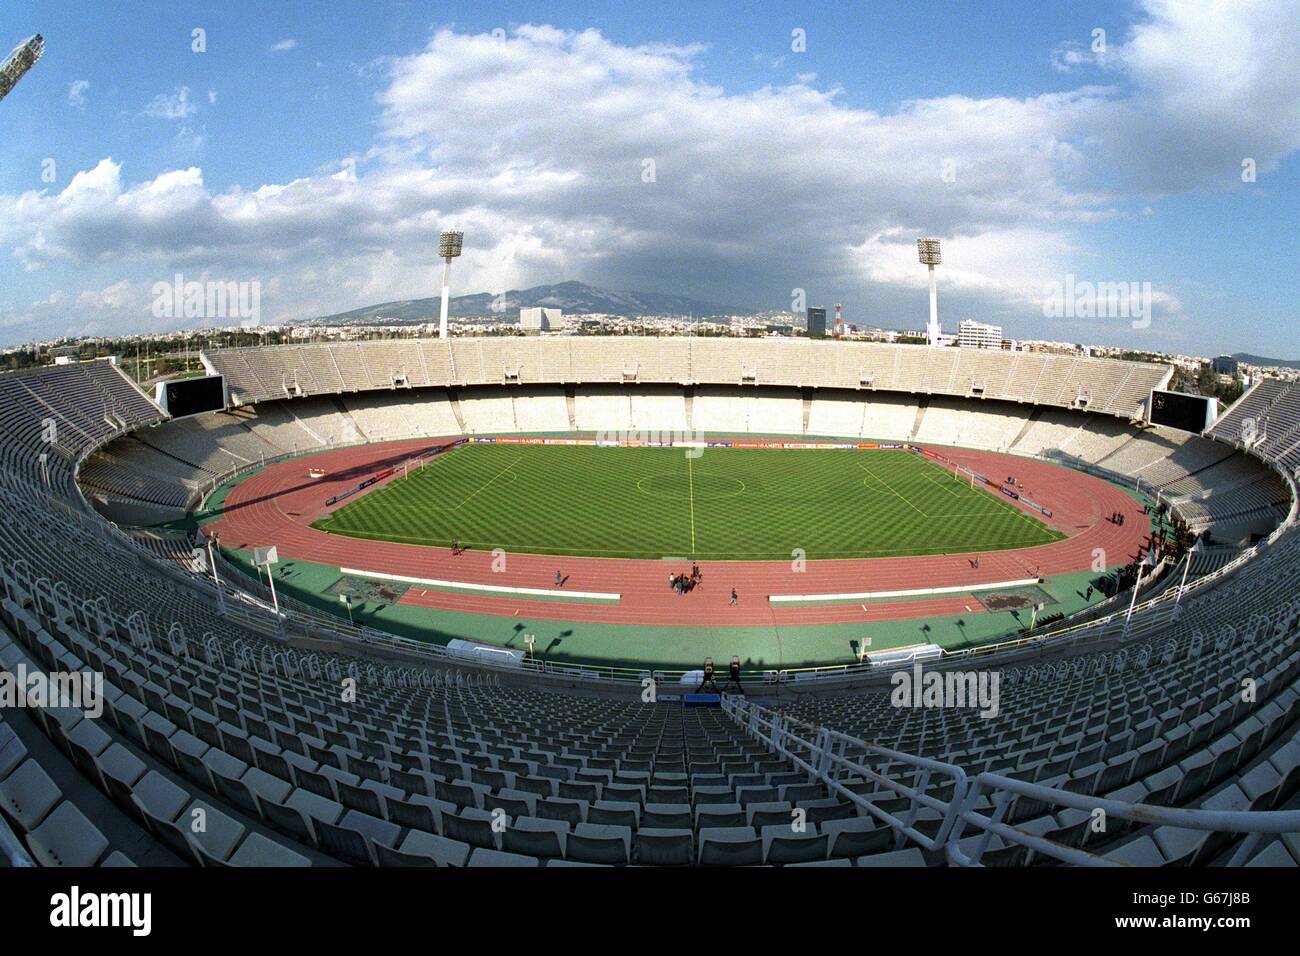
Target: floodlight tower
[(449, 244), (17, 63), (928, 251)]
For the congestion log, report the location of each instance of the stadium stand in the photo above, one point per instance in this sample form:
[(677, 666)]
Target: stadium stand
[(1100, 385), (214, 702)]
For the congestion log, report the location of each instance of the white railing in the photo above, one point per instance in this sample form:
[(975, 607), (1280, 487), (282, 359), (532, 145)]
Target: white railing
[(830, 756), (1002, 793), (981, 804)]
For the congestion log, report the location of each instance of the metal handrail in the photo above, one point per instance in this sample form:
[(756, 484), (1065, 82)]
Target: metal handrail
[(1001, 791), (827, 759), (822, 753)]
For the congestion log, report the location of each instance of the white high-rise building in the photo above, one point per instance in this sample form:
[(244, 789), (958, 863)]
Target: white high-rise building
[(538, 319), (977, 335)]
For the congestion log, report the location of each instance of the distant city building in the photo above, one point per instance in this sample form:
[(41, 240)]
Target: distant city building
[(816, 323), (977, 335), (538, 319), (1226, 365)]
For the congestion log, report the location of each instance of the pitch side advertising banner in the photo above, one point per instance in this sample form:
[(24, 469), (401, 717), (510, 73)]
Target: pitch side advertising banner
[(638, 443)]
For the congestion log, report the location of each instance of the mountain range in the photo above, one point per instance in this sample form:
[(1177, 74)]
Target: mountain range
[(570, 296), (1267, 362)]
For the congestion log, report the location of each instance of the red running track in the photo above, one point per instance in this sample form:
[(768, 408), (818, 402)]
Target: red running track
[(277, 505)]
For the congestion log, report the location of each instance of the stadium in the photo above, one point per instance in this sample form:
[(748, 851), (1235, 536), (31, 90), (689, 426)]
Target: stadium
[(594, 600)]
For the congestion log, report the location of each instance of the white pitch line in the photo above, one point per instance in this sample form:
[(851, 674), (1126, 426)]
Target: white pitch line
[(913, 592), (493, 588)]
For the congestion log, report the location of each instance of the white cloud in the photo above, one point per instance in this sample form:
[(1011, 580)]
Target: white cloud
[(541, 158), (283, 46), (77, 93), (172, 106)]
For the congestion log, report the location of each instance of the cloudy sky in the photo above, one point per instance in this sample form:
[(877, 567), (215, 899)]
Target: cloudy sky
[(733, 153)]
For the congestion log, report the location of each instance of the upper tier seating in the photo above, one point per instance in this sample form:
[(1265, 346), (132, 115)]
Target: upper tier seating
[(1100, 385)]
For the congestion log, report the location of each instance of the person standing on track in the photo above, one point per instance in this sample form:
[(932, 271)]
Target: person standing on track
[(733, 597), (559, 579)]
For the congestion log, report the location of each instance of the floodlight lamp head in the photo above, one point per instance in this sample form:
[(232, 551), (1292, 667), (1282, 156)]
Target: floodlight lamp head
[(928, 251), (449, 244)]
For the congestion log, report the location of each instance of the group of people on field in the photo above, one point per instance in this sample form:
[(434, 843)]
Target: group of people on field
[(686, 583), (682, 583)]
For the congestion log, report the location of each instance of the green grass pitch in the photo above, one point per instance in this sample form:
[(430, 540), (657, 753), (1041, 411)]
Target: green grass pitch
[(728, 503)]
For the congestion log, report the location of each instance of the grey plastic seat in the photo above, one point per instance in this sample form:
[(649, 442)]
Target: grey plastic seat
[(534, 836), (419, 812), (1143, 851), (665, 846), (118, 770), (495, 858), (759, 814), (345, 842), (66, 838), (299, 812), (714, 815), (667, 816), (475, 827), (214, 831), (28, 794), (12, 751), (782, 844), (87, 739), (856, 837), (387, 856), (618, 813), (730, 846), (511, 806), (834, 862), (159, 796), (1274, 855), (572, 812), (440, 850), (356, 797), (258, 851), (599, 843), (908, 857)]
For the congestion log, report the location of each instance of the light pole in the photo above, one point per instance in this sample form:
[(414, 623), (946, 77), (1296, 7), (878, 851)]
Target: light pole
[(267, 557), (928, 252), (215, 539), (449, 245), (212, 562), (19, 61)]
